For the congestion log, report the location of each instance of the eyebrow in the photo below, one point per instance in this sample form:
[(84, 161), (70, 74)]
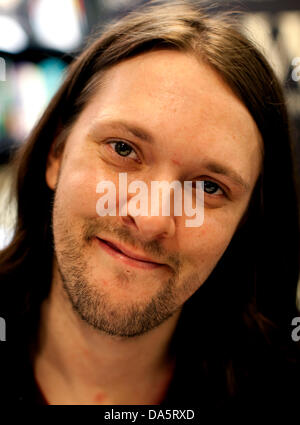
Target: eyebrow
[(217, 168), (140, 133), (132, 129)]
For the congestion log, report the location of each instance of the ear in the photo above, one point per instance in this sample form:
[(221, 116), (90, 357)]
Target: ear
[(53, 168)]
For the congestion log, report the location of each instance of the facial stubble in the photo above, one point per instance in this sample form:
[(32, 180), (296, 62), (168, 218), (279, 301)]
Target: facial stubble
[(89, 299)]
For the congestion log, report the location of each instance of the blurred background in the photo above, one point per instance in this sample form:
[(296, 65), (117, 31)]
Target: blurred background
[(39, 38)]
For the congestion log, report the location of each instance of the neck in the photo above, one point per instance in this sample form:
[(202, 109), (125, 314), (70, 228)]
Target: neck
[(77, 364)]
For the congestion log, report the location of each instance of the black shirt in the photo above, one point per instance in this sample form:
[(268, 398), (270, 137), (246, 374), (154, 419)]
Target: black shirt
[(271, 384)]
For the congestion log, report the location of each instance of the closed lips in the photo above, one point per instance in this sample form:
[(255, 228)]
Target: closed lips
[(124, 251)]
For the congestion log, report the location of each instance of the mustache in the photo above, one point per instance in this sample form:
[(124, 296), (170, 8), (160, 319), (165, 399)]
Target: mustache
[(95, 226)]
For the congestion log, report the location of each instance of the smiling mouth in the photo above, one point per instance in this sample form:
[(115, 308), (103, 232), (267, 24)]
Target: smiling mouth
[(113, 246), (117, 253)]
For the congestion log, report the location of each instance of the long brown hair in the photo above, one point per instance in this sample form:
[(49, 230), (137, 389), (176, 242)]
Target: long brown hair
[(244, 309)]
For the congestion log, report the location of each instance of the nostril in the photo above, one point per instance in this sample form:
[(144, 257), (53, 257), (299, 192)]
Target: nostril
[(127, 219)]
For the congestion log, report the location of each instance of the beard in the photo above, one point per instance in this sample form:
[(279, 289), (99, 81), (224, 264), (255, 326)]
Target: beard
[(91, 301)]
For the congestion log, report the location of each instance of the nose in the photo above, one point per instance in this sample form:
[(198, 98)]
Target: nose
[(160, 224), (152, 227)]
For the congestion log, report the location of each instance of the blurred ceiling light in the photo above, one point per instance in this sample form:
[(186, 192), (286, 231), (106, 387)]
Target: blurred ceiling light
[(9, 4), (13, 38), (289, 32), (31, 98), (258, 27), (56, 23)]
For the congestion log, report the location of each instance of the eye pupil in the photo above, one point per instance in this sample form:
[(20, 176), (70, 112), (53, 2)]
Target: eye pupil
[(210, 187), (123, 149)]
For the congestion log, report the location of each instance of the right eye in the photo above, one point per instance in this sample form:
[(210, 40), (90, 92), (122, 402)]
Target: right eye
[(123, 149)]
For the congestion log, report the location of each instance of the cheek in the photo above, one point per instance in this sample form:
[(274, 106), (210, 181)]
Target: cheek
[(77, 189), (207, 244)]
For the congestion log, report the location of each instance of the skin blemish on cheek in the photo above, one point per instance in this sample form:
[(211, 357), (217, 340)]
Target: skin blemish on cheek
[(176, 162), (99, 397), (104, 282)]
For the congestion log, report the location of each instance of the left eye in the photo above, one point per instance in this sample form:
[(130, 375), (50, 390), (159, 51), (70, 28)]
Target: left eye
[(123, 149), (211, 187)]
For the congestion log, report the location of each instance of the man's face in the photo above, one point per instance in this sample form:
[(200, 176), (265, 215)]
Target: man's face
[(192, 120)]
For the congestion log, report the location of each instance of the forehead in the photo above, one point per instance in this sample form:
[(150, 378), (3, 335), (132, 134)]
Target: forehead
[(179, 100)]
